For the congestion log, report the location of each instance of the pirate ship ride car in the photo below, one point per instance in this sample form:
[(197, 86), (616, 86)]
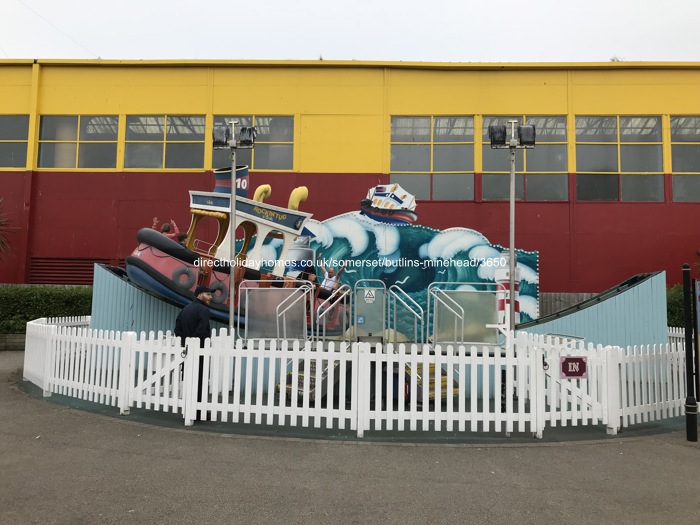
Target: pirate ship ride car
[(173, 270)]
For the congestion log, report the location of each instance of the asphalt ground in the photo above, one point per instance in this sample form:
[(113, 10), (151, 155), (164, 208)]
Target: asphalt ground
[(66, 463)]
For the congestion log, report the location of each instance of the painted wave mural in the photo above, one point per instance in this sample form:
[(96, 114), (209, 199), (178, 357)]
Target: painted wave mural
[(414, 256)]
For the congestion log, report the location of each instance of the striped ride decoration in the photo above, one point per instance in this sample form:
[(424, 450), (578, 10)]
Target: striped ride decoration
[(222, 181), (502, 301)]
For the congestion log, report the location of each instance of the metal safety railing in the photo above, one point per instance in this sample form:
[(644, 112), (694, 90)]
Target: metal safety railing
[(397, 296), (333, 311), (440, 297), (303, 294)]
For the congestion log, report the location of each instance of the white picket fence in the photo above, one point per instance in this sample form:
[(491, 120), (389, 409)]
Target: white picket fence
[(359, 386), (676, 335)]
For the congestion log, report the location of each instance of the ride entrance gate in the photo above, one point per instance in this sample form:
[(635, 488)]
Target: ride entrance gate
[(456, 313), (370, 310)]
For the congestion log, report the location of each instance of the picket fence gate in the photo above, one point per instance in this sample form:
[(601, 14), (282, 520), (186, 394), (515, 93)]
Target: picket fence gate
[(360, 387)]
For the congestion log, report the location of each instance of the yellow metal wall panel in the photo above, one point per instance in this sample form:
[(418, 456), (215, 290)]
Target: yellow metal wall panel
[(340, 144), (310, 91), (636, 92), (16, 89), (477, 92), (341, 109), (124, 90)]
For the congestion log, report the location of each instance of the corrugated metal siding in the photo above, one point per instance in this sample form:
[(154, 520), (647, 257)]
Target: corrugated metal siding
[(65, 270), (551, 303), (635, 316), (118, 305), (61, 271)]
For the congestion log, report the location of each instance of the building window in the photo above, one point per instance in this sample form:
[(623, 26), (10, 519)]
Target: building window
[(171, 142), (619, 159), (433, 157), (274, 143), (685, 158), (14, 135), (78, 141), (540, 173)]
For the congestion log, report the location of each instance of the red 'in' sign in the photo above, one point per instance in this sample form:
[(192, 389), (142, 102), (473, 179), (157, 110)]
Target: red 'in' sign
[(573, 367)]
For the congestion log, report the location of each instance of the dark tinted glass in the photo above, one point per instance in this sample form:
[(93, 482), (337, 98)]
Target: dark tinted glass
[(145, 128), (596, 187), (416, 183), (405, 157), (686, 188), (58, 128), (548, 129), (410, 129), (596, 129), (185, 128), (685, 158), (497, 187), (453, 157), (640, 129), (642, 188), (453, 186), (685, 129), (599, 157), (98, 127), (453, 129), (14, 127), (13, 154), (549, 187), (546, 157)]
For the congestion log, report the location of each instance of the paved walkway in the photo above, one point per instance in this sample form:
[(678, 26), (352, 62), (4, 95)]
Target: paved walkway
[(66, 466)]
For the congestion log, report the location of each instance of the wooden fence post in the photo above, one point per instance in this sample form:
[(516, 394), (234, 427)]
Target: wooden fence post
[(49, 358), (361, 386), (189, 380), (128, 342), (537, 394), (612, 361)]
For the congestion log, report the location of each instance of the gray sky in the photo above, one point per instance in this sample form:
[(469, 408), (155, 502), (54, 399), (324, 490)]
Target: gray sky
[(394, 30)]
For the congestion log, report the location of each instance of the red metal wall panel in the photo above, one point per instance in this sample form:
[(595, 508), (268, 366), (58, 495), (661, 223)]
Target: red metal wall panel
[(584, 247), (15, 191)]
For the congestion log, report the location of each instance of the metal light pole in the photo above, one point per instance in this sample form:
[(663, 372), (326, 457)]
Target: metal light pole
[(511, 250), (232, 233), (691, 405), (521, 137), (224, 137)]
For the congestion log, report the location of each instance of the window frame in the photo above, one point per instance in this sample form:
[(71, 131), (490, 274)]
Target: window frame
[(248, 156), (165, 141), (25, 141), (680, 178), (77, 141), (435, 145), (622, 145), (521, 171)]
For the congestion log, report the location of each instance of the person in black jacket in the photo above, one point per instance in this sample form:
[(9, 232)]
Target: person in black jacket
[(193, 321)]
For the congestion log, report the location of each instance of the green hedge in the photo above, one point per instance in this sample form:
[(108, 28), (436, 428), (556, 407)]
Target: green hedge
[(21, 303), (674, 305)]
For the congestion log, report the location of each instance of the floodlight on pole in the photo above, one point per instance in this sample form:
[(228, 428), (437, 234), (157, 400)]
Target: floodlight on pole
[(225, 137), (517, 137)]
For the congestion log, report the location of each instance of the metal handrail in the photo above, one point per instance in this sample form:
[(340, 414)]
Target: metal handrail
[(300, 293), (418, 315), (336, 299), (243, 289), (434, 292)]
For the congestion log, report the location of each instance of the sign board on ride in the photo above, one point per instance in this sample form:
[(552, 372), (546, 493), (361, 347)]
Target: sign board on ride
[(573, 367)]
